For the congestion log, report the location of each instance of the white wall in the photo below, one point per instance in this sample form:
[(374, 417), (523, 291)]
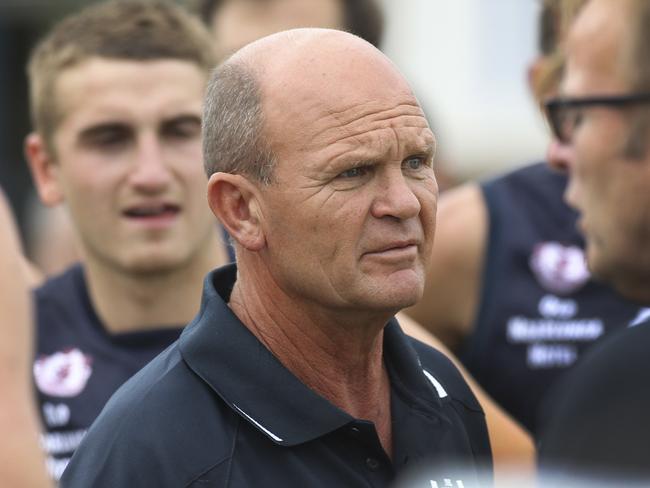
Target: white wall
[(467, 61)]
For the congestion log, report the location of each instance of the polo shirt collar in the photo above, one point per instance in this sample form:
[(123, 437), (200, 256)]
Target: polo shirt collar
[(251, 380)]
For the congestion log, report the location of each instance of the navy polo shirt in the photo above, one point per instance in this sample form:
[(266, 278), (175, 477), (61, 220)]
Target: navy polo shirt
[(217, 409)]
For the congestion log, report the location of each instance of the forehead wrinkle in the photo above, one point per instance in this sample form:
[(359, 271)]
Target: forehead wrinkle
[(368, 109), (409, 144), (368, 122)]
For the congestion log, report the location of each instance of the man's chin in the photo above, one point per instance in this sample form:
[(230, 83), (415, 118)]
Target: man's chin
[(401, 295), (613, 275), (153, 264), (631, 283), (593, 256)]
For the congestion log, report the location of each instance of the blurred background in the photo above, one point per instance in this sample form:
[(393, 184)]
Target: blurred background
[(466, 59)]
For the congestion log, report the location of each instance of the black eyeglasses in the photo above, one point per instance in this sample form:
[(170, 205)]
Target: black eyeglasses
[(564, 113)]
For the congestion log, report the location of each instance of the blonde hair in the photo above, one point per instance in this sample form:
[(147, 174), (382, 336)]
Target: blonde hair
[(125, 30), (559, 14)]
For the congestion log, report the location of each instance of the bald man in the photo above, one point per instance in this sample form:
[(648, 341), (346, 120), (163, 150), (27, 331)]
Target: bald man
[(295, 373)]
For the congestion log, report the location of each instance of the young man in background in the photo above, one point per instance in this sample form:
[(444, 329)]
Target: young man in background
[(116, 93)]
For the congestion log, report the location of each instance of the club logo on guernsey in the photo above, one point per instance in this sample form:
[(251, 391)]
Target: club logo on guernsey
[(63, 374), (558, 268)]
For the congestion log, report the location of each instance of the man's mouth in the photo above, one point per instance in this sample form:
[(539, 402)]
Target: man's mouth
[(159, 216), (395, 250), (152, 211), (396, 246)]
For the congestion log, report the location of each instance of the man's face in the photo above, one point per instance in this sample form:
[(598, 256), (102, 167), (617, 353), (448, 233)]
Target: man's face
[(128, 162), (239, 22), (350, 217), (609, 188)]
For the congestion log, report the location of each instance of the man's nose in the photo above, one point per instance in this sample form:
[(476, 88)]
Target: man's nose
[(396, 198), (559, 155), (150, 169)]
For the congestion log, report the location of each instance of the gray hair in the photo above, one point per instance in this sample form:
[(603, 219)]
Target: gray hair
[(233, 124)]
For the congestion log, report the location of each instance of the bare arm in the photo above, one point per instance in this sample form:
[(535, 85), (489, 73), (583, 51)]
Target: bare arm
[(512, 446), (21, 459), (451, 295)]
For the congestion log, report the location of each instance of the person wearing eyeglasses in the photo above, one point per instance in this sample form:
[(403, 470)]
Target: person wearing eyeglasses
[(508, 288), (599, 428)]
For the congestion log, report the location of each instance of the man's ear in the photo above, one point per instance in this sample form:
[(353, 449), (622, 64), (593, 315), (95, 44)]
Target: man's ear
[(234, 200), (43, 169)]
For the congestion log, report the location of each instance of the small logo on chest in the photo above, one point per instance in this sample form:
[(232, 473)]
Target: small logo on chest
[(559, 268), (63, 374)]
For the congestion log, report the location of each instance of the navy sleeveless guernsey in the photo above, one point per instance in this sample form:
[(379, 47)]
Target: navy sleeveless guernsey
[(79, 364), (539, 310)]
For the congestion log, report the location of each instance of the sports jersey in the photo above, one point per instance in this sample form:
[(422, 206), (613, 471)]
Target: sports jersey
[(79, 364), (539, 310), (218, 409)]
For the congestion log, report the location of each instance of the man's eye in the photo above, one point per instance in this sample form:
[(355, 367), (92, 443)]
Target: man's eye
[(577, 118), (106, 136), (414, 162), (184, 128), (354, 172), (569, 120)]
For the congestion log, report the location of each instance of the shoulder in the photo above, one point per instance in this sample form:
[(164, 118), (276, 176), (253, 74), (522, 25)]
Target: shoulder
[(466, 199), (61, 286), (461, 228), (63, 309), (160, 427)]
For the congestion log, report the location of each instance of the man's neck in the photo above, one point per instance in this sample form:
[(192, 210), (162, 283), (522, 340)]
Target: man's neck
[(340, 358), (129, 302)]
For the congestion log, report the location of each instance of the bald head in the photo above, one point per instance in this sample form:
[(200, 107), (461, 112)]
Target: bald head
[(272, 86), (307, 48)]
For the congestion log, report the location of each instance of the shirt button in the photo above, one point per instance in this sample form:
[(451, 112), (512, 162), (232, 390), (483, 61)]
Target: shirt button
[(355, 431), (372, 464)]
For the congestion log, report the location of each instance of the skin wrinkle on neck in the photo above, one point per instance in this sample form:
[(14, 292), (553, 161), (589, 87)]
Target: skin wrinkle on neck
[(312, 350)]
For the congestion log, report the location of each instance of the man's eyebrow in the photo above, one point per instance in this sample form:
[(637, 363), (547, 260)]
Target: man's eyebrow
[(115, 125), (423, 147), (99, 127)]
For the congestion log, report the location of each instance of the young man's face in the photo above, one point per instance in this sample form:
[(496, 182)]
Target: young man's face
[(127, 161), (607, 185)]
